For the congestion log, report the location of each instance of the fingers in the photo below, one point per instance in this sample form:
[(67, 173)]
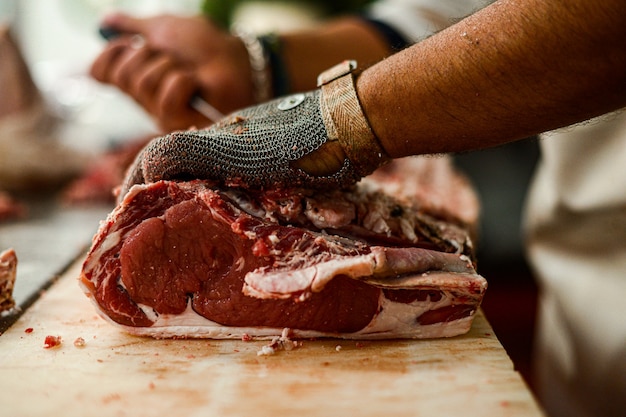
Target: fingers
[(101, 67), (166, 33), (174, 94), (149, 77), (135, 70), (161, 85), (129, 66)]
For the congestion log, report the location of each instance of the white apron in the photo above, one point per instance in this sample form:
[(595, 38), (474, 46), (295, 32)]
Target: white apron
[(576, 241)]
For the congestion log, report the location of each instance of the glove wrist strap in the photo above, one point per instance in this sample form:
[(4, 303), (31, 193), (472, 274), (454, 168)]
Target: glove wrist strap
[(345, 121)]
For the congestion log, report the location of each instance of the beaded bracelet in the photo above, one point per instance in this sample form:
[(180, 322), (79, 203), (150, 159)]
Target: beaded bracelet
[(259, 63)]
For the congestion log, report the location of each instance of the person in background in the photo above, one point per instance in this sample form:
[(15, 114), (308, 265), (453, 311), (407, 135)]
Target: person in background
[(425, 85)]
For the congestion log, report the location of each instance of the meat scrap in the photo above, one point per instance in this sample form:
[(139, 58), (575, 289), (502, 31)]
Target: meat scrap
[(79, 342), (191, 259), (8, 270), (98, 182), (52, 341), (11, 208), (278, 343)]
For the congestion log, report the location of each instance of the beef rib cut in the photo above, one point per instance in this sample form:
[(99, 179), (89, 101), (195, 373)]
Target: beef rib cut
[(191, 259)]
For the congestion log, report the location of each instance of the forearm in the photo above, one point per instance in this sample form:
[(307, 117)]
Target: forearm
[(512, 70), (307, 53)]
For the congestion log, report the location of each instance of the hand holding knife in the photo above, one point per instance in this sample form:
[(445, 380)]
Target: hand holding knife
[(197, 103)]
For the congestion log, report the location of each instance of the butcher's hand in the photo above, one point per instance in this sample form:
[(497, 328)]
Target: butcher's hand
[(318, 139), (164, 62)]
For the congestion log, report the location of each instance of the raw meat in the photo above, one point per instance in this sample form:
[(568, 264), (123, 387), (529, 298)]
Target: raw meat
[(97, 184), (190, 259), (10, 208), (8, 270)]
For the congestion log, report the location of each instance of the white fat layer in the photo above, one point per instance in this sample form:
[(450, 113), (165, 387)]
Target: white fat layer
[(395, 320), (282, 284), (110, 241), (93, 264), (399, 319)]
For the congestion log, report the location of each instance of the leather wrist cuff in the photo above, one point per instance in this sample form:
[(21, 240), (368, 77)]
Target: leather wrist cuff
[(345, 121)]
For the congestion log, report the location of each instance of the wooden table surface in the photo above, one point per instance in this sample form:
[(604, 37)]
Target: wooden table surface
[(115, 374)]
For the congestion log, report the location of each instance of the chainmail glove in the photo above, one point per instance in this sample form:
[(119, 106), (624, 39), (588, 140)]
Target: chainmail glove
[(318, 139)]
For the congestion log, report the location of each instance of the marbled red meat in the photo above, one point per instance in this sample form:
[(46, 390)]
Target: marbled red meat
[(189, 259)]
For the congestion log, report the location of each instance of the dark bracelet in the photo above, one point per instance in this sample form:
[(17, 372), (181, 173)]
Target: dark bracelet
[(280, 78), (394, 39)]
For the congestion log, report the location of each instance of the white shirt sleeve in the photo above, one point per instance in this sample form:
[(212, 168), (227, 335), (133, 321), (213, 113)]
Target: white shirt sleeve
[(418, 19)]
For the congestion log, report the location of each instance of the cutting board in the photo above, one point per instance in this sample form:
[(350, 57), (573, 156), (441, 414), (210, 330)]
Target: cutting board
[(115, 374), (47, 241)]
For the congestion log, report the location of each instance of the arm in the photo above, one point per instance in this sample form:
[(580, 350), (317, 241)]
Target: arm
[(183, 56), (512, 70), (307, 53), (507, 72)]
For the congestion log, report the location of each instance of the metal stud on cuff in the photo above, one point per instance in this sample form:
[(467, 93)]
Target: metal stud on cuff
[(291, 102)]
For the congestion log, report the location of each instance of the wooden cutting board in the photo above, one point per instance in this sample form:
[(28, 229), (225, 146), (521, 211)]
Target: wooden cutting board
[(115, 374)]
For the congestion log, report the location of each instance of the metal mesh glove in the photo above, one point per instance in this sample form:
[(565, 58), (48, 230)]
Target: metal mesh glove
[(272, 144)]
